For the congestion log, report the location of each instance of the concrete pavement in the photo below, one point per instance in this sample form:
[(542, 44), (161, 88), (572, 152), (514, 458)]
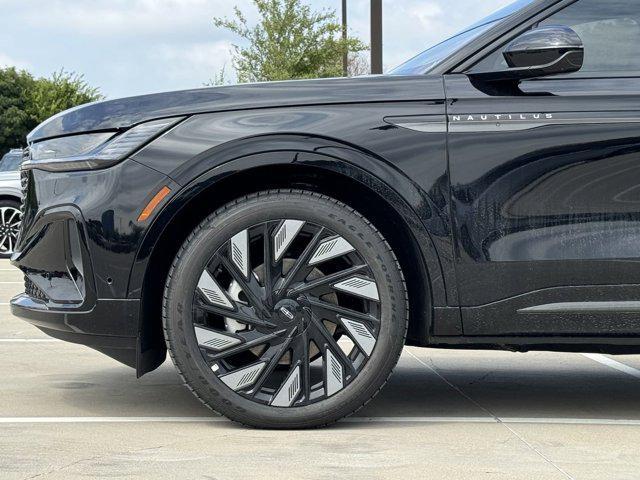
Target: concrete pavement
[(68, 412)]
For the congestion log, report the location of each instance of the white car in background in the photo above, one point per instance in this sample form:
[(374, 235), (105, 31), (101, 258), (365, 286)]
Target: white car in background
[(10, 200)]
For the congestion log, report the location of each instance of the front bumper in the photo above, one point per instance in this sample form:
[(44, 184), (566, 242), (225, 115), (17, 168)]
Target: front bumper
[(107, 327), (77, 246)]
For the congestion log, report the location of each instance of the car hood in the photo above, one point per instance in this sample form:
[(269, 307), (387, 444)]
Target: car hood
[(123, 113)]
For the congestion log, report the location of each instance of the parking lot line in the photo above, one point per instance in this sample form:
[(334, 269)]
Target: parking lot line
[(216, 419), (112, 419), (28, 340), (609, 362)]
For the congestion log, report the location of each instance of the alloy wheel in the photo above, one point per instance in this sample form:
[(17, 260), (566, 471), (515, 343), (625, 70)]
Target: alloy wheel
[(286, 313), (10, 219)]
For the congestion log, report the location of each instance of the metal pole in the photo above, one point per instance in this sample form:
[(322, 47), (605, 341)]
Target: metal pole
[(376, 36), (345, 55)]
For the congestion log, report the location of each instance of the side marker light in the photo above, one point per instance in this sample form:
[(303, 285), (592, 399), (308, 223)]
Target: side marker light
[(153, 203)]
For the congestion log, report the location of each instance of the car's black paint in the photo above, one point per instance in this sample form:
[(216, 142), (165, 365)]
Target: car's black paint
[(553, 208), (390, 154), (125, 112), (501, 200)]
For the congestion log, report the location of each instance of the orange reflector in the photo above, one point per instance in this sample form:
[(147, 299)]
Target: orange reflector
[(151, 206)]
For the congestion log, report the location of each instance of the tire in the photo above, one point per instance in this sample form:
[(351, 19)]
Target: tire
[(334, 285), (10, 217)]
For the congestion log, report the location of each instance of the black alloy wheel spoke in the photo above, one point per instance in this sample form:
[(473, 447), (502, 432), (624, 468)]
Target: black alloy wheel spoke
[(301, 268), (300, 356), (272, 268), (251, 287), (250, 340), (272, 356), (324, 339), (327, 279), (331, 311), (242, 314)]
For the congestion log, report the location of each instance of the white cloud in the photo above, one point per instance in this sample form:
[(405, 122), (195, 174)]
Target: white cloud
[(125, 17), (411, 26), (129, 47), (198, 62), (7, 61), (425, 13)]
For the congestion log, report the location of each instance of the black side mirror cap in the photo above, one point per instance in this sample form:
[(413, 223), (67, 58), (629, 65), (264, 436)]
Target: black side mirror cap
[(550, 50)]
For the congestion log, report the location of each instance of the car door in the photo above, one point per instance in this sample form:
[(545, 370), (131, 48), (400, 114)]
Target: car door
[(545, 186)]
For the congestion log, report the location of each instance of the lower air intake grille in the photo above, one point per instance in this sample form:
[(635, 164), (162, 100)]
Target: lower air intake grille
[(32, 290)]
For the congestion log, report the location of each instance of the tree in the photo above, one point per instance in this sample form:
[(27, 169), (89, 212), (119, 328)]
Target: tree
[(26, 101), (62, 91), (290, 41), (358, 64), (15, 119)]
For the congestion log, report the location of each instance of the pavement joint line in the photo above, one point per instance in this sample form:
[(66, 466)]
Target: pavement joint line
[(454, 387), (360, 420), (497, 419), (611, 363)]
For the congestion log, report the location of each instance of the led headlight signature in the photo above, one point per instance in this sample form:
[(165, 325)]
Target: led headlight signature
[(93, 150)]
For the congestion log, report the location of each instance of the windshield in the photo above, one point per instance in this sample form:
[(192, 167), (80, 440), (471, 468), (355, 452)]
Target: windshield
[(10, 162), (427, 60)]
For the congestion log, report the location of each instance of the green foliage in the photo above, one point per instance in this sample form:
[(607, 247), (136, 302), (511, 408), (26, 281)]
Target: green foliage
[(62, 91), (220, 78), (15, 118), (289, 41), (26, 101)]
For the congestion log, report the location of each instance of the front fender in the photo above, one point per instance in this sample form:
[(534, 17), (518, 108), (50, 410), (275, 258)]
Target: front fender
[(415, 207), (12, 190)]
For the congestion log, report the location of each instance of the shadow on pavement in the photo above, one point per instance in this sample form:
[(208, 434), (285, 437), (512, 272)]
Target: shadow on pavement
[(583, 390)]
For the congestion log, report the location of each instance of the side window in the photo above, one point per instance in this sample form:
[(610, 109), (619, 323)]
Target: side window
[(610, 31)]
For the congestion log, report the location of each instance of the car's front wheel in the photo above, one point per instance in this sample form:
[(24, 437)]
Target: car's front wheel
[(285, 309), (10, 218)]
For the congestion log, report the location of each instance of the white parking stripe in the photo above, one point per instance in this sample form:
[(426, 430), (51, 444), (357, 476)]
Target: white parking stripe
[(28, 340), (609, 362), (111, 419), (420, 420), (214, 419), (573, 421)]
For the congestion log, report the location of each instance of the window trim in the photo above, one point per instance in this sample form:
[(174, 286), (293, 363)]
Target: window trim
[(588, 76)]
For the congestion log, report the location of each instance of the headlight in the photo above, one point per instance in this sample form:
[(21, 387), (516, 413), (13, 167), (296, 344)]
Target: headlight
[(93, 150)]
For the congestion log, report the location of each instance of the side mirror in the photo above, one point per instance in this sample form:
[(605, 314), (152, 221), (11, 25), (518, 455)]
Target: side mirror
[(545, 51)]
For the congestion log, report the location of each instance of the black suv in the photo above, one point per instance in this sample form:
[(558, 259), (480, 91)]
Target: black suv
[(284, 241)]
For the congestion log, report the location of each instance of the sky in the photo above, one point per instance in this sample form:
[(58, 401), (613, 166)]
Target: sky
[(132, 47)]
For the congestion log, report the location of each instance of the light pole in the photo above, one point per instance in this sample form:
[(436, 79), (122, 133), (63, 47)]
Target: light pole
[(376, 36), (345, 55)]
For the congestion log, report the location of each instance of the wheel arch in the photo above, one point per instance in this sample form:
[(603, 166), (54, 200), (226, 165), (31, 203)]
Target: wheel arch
[(9, 196), (325, 174)]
